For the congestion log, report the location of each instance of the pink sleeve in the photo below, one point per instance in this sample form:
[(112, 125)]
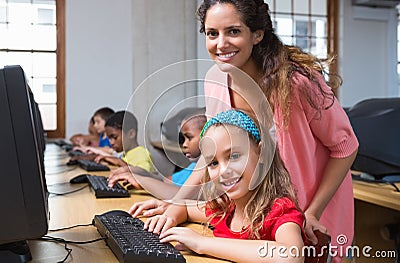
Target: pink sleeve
[(332, 127)]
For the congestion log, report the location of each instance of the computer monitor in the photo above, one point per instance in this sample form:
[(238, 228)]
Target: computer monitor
[(23, 194), (377, 127)]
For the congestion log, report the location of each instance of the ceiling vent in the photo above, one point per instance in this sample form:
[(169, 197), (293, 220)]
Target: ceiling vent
[(377, 3)]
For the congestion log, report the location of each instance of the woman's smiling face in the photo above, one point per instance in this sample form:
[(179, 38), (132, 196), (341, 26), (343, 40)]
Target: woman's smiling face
[(228, 39)]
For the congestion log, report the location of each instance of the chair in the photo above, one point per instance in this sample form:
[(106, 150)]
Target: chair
[(170, 128), (324, 241)]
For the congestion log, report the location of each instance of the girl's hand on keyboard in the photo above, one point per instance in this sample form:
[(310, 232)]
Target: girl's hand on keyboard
[(187, 238), (148, 208), (159, 223)]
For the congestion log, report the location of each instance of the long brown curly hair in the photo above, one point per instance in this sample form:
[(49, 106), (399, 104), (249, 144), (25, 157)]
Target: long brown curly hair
[(279, 61)]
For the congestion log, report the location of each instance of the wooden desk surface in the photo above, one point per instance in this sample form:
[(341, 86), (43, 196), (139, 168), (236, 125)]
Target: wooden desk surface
[(379, 194), (375, 206), (80, 208)]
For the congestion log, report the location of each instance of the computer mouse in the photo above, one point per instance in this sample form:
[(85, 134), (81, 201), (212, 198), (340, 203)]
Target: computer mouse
[(72, 162), (117, 213), (391, 178), (79, 179)]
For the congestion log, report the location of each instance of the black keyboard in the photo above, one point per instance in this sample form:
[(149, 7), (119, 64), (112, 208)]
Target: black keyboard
[(63, 144), (76, 153), (130, 242), (60, 142), (92, 166), (67, 147), (99, 185)]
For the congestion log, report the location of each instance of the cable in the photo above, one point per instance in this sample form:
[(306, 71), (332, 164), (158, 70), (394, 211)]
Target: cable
[(59, 239), (68, 227), (65, 242), (70, 192), (69, 251), (395, 186), (378, 181)]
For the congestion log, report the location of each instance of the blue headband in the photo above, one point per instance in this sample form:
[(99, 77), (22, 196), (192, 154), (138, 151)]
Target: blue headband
[(235, 118)]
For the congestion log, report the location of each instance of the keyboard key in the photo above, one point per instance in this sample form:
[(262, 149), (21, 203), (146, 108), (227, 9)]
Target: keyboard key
[(92, 166), (130, 242), (99, 185), (76, 153)]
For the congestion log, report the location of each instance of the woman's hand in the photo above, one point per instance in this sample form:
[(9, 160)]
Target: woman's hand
[(186, 238), (148, 208), (312, 224), (159, 223)]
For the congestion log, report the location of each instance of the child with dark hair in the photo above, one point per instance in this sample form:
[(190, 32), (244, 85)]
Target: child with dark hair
[(103, 146), (100, 118), (90, 139), (190, 129), (121, 129)]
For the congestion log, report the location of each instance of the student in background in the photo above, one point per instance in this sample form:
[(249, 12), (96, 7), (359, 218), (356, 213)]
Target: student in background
[(243, 219), (190, 128), (91, 139), (100, 118), (104, 147), (121, 129)]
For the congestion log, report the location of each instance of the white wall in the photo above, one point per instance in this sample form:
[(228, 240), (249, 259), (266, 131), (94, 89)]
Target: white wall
[(98, 59), (368, 53), (112, 47), (162, 37)]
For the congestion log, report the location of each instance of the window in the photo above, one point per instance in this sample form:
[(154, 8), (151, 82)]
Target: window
[(306, 24), (32, 35)]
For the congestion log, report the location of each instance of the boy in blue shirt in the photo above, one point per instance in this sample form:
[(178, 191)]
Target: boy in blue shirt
[(190, 128)]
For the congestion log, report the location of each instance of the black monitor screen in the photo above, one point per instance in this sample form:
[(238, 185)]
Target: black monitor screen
[(23, 197)]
